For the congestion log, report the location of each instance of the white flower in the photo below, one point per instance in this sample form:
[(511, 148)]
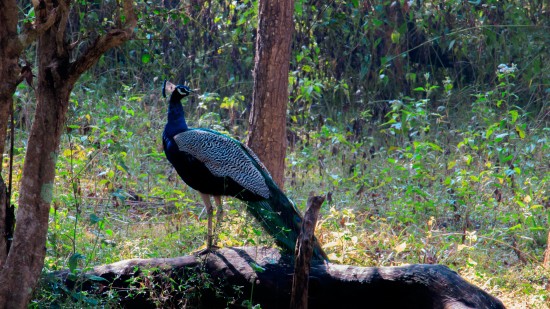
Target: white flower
[(505, 69)]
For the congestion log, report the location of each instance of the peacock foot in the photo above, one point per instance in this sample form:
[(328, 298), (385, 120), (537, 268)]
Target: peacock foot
[(206, 250)]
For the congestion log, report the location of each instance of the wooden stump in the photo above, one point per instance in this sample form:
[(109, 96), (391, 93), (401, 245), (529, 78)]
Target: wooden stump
[(304, 251)]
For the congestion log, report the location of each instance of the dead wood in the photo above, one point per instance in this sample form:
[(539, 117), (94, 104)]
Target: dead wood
[(230, 276), (304, 251)]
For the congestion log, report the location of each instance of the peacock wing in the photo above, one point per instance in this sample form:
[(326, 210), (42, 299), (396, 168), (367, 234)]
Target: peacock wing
[(224, 157), (255, 158)]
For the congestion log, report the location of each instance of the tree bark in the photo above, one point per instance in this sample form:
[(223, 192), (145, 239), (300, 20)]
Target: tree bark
[(209, 281), (9, 78), (5, 229), (9, 67), (267, 122), (12, 44), (56, 78)]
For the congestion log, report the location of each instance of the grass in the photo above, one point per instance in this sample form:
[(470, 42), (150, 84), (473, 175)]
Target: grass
[(472, 196)]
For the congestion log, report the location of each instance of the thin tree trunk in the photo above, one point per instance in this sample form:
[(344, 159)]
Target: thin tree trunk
[(56, 78), (267, 133), (546, 262)]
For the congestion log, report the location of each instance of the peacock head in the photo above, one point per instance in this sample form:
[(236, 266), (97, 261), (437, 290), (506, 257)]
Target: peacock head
[(179, 92)]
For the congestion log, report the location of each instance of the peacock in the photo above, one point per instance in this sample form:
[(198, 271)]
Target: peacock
[(217, 165)]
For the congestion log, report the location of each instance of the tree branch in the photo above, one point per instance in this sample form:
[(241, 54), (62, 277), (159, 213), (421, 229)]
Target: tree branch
[(60, 35), (29, 36), (113, 38)]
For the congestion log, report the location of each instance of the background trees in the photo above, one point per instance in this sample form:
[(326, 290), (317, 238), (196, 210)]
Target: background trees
[(426, 121)]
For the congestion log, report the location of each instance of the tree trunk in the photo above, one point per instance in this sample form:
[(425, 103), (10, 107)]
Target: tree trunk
[(267, 122), (9, 67), (546, 261), (9, 78), (5, 223), (261, 275), (26, 258), (56, 78)]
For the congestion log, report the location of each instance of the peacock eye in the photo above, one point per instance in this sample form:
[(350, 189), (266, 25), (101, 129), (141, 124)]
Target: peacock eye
[(183, 90)]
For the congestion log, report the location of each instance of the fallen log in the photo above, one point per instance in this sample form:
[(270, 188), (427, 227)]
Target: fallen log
[(233, 277)]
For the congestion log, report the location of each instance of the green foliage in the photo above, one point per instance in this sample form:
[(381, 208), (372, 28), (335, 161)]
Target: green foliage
[(470, 195)]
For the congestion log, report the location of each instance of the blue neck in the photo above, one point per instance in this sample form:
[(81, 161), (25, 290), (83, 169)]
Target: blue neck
[(176, 119)]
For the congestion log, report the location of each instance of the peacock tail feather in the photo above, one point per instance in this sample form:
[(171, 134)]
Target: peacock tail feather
[(279, 216)]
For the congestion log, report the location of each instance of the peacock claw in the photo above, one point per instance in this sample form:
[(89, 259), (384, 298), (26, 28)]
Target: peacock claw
[(208, 250)]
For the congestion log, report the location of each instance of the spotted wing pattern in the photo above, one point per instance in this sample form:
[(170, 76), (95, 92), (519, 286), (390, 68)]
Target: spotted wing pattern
[(224, 157)]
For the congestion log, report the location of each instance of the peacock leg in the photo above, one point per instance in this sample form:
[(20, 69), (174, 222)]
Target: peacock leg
[(219, 214), (209, 213)]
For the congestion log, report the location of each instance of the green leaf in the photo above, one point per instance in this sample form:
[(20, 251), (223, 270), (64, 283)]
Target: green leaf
[(451, 44), (122, 166), (377, 22), (145, 58), (96, 278), (395, 37), (94, 219), (257, 232), (451, 164), (514, 115), (520, 132), (31, 13), (434, 146), (298, 7), (73, 261), (468, 159), (490, 131), (507, 158)]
